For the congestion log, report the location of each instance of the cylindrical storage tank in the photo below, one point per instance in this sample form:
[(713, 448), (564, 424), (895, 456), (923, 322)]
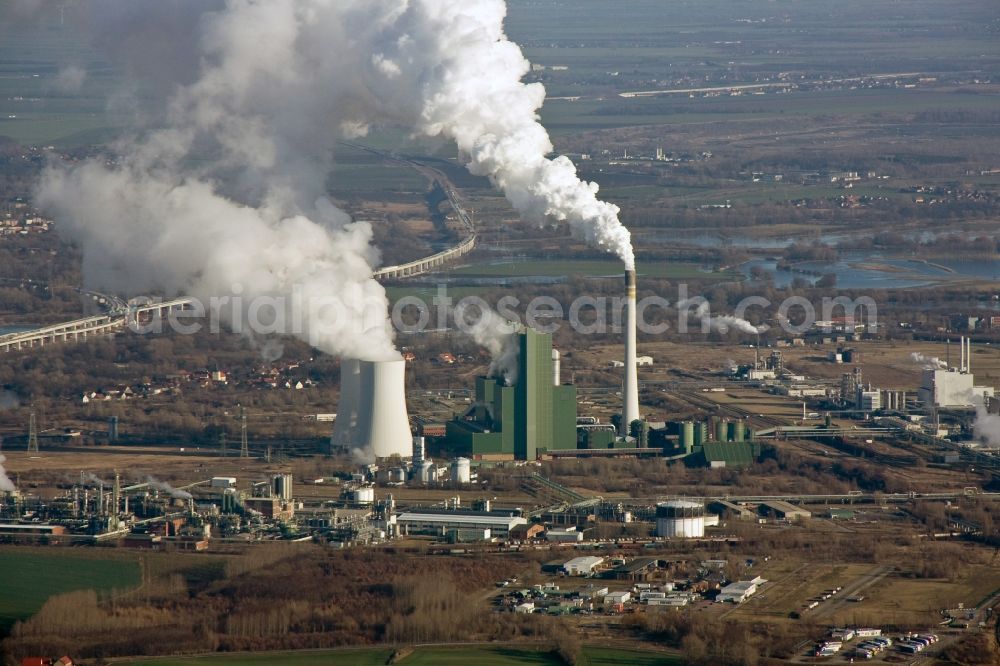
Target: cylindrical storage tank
[(687, 435), (461, 470), (398, 474), (426, 472), (737, 431), (365, 495), (700, 433), (722, 430), (680, 518)]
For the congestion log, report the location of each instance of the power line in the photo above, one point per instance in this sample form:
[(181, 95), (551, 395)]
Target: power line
[(32, 434), (244, 447)]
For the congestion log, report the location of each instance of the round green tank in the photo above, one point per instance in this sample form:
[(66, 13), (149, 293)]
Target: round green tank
[(700, 433), (737, 431), (687, 435), (722, 430)]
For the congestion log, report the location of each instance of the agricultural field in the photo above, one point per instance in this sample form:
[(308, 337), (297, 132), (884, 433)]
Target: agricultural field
[(584, 268), (423, 656), (29, 577)]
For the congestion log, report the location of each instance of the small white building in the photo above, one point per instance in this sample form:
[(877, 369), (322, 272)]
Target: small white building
[(564, 534), (621, 597), (582, 566), (739, 591), (643, 360), (526, 607)]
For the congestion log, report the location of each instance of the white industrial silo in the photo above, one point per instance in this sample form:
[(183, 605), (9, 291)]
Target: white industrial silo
[(461, 470), (680, 518), (372, 420), (426, 472), (363, 495)]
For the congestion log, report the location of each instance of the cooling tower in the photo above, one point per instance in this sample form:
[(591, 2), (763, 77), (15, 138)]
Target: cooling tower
[(630, 388), (372, 416)]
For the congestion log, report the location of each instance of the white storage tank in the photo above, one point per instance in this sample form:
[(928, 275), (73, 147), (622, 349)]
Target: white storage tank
[(461, 470), (426, 472), (680, 518), (363, 495)]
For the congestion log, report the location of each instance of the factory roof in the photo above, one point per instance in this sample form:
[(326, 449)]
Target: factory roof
[(586, 561), (452, 518), (427, 510), (734, 454), (636, 565)]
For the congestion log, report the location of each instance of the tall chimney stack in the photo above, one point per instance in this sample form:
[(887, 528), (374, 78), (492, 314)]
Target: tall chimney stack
[(630, 389)]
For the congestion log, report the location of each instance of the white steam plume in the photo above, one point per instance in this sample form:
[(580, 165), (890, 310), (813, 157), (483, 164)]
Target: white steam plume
[(927, 362), (497, 334), (230, 195), (721, 323), (5, 483), (473, 93), (986, 427), (165, 487)]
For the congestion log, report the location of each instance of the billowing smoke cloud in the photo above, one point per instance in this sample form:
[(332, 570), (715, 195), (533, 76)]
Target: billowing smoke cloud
[(5, 483), (927, 362), (721, 323), (987, 426), (165, 487), (94, 479), (229, 197), (497, 334)]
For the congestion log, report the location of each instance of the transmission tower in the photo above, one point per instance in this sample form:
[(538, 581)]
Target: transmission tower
[(32, 434), (244, 448)]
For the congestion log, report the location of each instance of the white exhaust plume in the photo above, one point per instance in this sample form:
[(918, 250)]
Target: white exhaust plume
[(927, 362), (273, 87), (497, 334), (987, 426), (5, 483), (721, 323), (163, 486)]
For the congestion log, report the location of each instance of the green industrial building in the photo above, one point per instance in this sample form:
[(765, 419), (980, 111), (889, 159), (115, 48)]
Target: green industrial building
[(523, 421)]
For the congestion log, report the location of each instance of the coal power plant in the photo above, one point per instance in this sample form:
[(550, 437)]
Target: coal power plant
[(372, 421)]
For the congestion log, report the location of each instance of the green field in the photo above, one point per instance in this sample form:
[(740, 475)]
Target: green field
[(584, 268), (28, 578), (425, 656)]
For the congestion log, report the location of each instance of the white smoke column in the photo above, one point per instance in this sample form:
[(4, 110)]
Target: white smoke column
[(987, 426), (927, 362), (229, 197), (470, 76), (165, 487), (5, 483), (721, 323), (497, 334)]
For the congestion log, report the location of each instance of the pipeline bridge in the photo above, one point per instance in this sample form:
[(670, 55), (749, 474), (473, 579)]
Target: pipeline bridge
[(89, 327)]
